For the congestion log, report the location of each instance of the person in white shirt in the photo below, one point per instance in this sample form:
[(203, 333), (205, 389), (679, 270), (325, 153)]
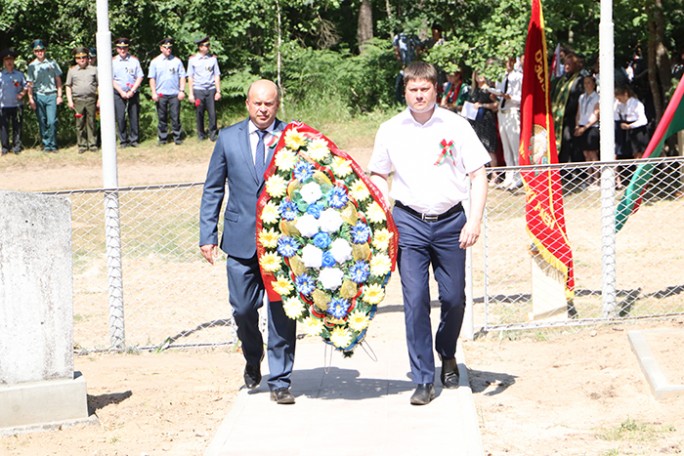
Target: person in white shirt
[(509, 122), (587, 129), (436, 162), (632, 118)]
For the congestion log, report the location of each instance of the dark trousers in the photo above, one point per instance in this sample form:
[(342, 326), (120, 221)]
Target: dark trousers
[(10, 116), (168, 107), (131, 107), (246, 294), (204, 101), (422, 244), (85, 109)]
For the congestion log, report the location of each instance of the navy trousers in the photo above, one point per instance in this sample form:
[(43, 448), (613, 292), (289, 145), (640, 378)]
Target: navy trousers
[(168, 108), (422, 244), (208, 104), (131, 107), (246, 293)]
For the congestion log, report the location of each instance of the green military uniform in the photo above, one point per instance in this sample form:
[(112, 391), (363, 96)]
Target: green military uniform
[(83, 84)]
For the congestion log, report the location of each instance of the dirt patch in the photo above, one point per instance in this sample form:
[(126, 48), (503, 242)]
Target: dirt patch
[(563, 392)]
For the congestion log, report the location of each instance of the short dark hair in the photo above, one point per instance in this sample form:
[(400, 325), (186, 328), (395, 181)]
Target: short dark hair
[(420, 70)]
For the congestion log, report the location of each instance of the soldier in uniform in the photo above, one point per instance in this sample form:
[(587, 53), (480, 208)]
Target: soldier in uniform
[(204, 79), (128, 76), (12, 90), (167, 85), (82, 98), (45, 94)]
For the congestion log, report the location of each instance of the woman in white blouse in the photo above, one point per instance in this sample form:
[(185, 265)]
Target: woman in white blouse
[(587, 129), (632, 119)]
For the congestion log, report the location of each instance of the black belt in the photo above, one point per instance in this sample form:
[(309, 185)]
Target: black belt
[(429, 218)]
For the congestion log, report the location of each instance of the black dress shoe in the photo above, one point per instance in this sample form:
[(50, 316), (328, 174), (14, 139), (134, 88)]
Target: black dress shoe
[(282, 396), (252, 376), (424, 394), (449, 375)]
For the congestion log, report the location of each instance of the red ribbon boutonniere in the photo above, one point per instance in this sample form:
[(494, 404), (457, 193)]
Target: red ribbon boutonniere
[(275, 137), (446, 152)]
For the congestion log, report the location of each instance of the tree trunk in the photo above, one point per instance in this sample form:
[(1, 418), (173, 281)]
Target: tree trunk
[(364, 31), (659, 65)]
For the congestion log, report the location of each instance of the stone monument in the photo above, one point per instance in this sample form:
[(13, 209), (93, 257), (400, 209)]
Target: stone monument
[(38, 385)]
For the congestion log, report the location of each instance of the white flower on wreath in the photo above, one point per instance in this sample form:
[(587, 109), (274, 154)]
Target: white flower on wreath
[(312, 326), (330, 278), (285, 160), (269, 238), (330, 220), (270, 262), (380, 265), (318, 149), (311, 192), (293, 307), (341, 250), (341, 167), (269, 214), (307, 225), (276, 186), (312, 256), (340, 337), (358, 190), (375, 213)]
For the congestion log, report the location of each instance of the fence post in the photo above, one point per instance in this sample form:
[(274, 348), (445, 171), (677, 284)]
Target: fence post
[(607, 60), (111, 182)]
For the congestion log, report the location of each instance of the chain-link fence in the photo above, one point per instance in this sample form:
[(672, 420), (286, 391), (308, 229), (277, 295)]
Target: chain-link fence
[(636, 272), (173, 296)]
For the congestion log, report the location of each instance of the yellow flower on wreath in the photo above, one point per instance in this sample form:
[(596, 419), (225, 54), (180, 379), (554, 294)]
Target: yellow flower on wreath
[(276, 186), (269, 238), (271, 262), (375, 213), (358, 321), (270, 214), (341, 167), (294, 139), (358, 190), (380, 264), (382, 238), (282, 285), (340, 337), (373, 294), (312, 326), (318, 149)]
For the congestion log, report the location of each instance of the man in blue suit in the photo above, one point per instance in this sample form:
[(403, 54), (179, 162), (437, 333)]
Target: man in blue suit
[(240, 159)]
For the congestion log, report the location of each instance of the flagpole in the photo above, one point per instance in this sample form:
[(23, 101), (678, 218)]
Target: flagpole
[(607, 140)]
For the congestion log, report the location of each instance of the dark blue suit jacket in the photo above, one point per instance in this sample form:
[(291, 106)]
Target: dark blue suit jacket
[(232, 163)]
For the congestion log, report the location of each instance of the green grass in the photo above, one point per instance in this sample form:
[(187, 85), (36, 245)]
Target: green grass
[(632, 430)]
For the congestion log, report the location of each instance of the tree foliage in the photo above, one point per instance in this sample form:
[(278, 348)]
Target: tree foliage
[(319, 51)]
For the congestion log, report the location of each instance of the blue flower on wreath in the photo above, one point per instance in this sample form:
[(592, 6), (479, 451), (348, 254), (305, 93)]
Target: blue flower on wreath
[(314, 209), (337, 198), (360, 233), (287, 246), (303, 171), (321, 240), (328, 259), (338, 307), (359, 271), (288, 210), (305, 284)]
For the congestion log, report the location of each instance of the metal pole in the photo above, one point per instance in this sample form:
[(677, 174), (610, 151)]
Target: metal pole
[(607, 132), (110, 179)]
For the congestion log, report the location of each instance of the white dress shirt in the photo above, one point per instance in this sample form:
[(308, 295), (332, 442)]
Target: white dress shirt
[(411, 152)]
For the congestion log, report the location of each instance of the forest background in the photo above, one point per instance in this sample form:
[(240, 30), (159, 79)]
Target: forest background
[(334, 58)]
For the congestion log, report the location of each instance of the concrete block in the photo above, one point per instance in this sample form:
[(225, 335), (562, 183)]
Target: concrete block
[(43, 402), (548, 292), (36, 315)]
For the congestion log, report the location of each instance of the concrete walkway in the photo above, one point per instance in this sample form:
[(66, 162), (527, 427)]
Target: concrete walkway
[(356, 406)]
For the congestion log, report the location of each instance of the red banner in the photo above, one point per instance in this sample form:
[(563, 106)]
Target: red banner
[(544, 194)]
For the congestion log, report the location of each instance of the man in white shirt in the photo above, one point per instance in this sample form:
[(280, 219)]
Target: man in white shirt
[(430, 152), (509, 123)]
